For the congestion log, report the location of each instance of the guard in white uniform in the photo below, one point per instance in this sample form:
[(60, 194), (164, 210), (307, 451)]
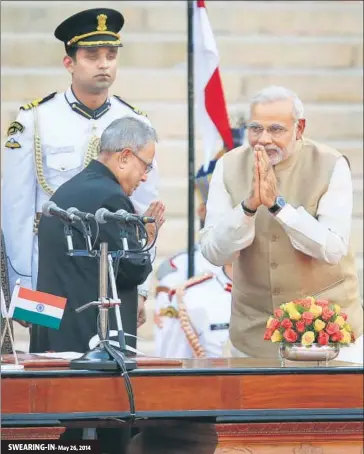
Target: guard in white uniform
[(54, 138), (195, 324)]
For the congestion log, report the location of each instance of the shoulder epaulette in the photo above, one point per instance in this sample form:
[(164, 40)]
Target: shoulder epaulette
[(190, 283), (37, 102), (133, 108), (197, 280)]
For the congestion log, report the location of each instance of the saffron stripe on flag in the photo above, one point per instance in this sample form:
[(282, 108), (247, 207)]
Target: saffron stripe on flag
[(41, 297), (216, 108), (36, 318)]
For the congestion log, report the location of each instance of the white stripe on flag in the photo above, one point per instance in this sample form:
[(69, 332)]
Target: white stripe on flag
[(206, 65), (206, 60), (39, 308)]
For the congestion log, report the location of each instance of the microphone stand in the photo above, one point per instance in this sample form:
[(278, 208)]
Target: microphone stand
[(87, 235), (68, 234), (99, 358), (119, 323)]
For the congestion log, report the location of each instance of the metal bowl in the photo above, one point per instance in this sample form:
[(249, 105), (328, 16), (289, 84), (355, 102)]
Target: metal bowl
[(314, 352)]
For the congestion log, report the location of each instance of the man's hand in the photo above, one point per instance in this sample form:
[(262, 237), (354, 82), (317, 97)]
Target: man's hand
[(156, 210), (253, 202), (141, 314), (267, 179), (22, 323)]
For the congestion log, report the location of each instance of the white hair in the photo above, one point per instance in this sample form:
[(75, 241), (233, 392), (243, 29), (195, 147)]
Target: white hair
[(275, 93), (127, 132)]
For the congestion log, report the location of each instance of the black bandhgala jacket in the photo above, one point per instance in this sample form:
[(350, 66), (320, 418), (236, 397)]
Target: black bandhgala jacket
[(77, 278)]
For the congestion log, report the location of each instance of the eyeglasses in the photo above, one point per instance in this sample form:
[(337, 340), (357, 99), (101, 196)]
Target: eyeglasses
[(275, 131), (148, 166)]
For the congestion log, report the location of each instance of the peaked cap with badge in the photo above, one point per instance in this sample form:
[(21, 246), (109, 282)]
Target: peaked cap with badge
[(97, 27)]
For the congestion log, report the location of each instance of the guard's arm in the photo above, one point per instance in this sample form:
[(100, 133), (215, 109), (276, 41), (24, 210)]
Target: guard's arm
[(18, 198)]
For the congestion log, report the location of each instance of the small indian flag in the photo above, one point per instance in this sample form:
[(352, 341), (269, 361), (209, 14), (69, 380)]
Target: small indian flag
[(36, 307)]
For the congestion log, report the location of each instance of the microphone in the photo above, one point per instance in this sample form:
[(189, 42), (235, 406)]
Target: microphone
[(81, 214), (130, 217), (51, 209), (85, 217), (103, 216)]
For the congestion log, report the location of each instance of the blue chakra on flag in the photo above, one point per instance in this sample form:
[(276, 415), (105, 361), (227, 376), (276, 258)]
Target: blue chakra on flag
[(40, 307)]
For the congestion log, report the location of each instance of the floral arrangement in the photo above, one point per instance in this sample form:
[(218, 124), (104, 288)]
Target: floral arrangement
[(307, 321)]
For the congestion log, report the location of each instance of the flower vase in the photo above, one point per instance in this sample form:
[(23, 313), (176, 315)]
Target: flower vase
[(314, 352)]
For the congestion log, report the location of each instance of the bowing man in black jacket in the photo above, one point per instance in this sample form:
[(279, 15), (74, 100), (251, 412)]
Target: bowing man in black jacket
[(127, 148)]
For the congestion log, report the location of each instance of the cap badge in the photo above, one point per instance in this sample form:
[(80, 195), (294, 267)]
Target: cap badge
[(101, 23)]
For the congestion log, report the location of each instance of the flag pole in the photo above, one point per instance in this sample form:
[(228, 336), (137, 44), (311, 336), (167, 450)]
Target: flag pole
[(191, 142)]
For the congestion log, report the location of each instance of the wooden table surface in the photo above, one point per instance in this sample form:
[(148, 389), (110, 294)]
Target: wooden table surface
[(257, 405), (212, 387)]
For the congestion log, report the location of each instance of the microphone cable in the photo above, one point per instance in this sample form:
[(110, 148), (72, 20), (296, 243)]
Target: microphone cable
[(142, 226), (119, 359)]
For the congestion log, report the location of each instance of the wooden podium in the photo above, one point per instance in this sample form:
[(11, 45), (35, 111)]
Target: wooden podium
[(257, 405)]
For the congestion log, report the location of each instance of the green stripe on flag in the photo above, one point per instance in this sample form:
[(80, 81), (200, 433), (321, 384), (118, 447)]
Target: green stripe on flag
[(36, 318)]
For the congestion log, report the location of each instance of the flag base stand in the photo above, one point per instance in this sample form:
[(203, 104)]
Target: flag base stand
[(12, 367), (100, 359)]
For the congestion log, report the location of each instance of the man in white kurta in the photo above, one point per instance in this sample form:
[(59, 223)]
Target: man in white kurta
[(318, 233)]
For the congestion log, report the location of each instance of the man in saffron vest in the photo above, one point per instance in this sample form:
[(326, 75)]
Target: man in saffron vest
[(281, 208)]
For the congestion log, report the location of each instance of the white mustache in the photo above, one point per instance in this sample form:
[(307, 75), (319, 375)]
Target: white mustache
[(277, 150)]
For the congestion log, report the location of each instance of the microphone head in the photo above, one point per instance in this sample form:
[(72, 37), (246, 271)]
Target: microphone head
[(72, 210), (47, 206), (79, 214), (122, 212), (100, 215)]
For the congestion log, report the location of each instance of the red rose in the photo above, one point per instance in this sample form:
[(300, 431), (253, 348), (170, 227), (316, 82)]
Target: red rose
[(278, 313), (274, 324), (300, 326), (344, 316), (286, 323), (305, 303), (307, 317), (327, 313), (323, 338), (332, 328), (290, 335), (268, 334), (322, 303), (336, 337)]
